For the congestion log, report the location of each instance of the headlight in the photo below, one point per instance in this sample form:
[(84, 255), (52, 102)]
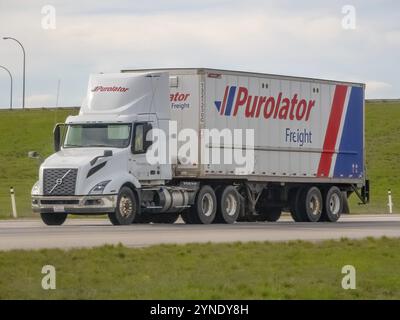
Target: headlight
[(35, 189), (99, 188)]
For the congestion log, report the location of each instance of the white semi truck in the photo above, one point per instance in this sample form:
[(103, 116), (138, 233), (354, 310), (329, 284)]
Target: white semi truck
[(211, 146)]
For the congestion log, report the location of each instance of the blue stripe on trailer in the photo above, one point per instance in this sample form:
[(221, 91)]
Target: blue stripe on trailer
[(229, 103), (349, 161)]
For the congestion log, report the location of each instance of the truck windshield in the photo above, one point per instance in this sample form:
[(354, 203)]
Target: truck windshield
[(98, 135)]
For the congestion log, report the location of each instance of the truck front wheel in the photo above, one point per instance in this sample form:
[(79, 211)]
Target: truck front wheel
[(54, 219), (127, 208), (204, 209)]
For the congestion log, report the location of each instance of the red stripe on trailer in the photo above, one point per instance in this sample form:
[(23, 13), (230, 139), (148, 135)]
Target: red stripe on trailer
[(224, 101), (332, 131)]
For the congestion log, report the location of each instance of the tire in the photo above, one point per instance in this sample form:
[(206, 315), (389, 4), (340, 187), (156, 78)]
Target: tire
[(310, 204), (168, 218), (54, 219), (228, 205), (272, 214), (294, 199), (186, 217), (204, 209), (333, 205), (127, 208), (346, 206)]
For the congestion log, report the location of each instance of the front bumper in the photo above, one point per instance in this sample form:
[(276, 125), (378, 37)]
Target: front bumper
[(95, 204)]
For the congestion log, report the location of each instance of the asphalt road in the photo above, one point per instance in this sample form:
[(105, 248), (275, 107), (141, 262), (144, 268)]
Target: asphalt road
[(33, 234)]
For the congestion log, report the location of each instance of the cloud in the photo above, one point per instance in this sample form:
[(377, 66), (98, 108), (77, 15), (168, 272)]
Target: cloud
[(377, 89), (283, 37), (40, 100)]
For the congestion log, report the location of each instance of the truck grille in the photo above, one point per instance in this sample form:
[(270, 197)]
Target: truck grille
[(59, 182)]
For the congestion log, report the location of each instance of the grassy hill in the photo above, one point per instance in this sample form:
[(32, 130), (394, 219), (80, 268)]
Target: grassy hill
[(23, 131)]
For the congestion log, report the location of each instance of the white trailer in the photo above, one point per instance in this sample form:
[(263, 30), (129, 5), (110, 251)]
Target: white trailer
[(304, 140)]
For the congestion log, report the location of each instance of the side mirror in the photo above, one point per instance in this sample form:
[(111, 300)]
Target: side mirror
[(57, 137)]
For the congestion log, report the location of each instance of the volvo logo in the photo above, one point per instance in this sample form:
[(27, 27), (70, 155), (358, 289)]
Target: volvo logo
[(59, 181)]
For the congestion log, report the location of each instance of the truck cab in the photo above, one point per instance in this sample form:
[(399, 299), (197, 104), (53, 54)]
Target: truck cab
[(100, 154)]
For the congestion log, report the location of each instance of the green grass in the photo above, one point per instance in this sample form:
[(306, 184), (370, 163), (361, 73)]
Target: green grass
[(293, 270), (383, 155), (22, 131)]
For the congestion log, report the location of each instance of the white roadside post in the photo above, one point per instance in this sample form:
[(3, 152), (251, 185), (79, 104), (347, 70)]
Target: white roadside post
[(390, 203), (13, 205)]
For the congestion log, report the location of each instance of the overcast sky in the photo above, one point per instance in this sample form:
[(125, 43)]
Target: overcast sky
[(302, 38)]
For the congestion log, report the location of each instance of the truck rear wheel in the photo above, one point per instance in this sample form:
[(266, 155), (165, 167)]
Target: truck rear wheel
[(54, 219), (127, 208), (333, 205), (228, 205), (204, 209), (309, 205)]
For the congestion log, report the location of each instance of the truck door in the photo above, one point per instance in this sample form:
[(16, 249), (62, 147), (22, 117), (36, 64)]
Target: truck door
[(138, 164)]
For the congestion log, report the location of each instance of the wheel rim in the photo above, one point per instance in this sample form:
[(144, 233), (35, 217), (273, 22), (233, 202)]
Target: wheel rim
[(334, 204), (125, 206), (230, 205), (207, 204), (314, 205)]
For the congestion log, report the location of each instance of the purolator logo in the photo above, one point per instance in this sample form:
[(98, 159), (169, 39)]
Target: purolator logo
[(179, 100), (109, 89), (280, 107)]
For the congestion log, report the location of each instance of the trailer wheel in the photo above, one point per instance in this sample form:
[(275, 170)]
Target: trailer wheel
[(308, 205), (127, 208), (333, 205), (169, 218), (228, 205), (204, 209), (295, 203), (311, 204), (54, 219)]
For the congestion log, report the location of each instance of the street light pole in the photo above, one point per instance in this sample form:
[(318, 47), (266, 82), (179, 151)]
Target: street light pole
[(11, 85), (23, 80)]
